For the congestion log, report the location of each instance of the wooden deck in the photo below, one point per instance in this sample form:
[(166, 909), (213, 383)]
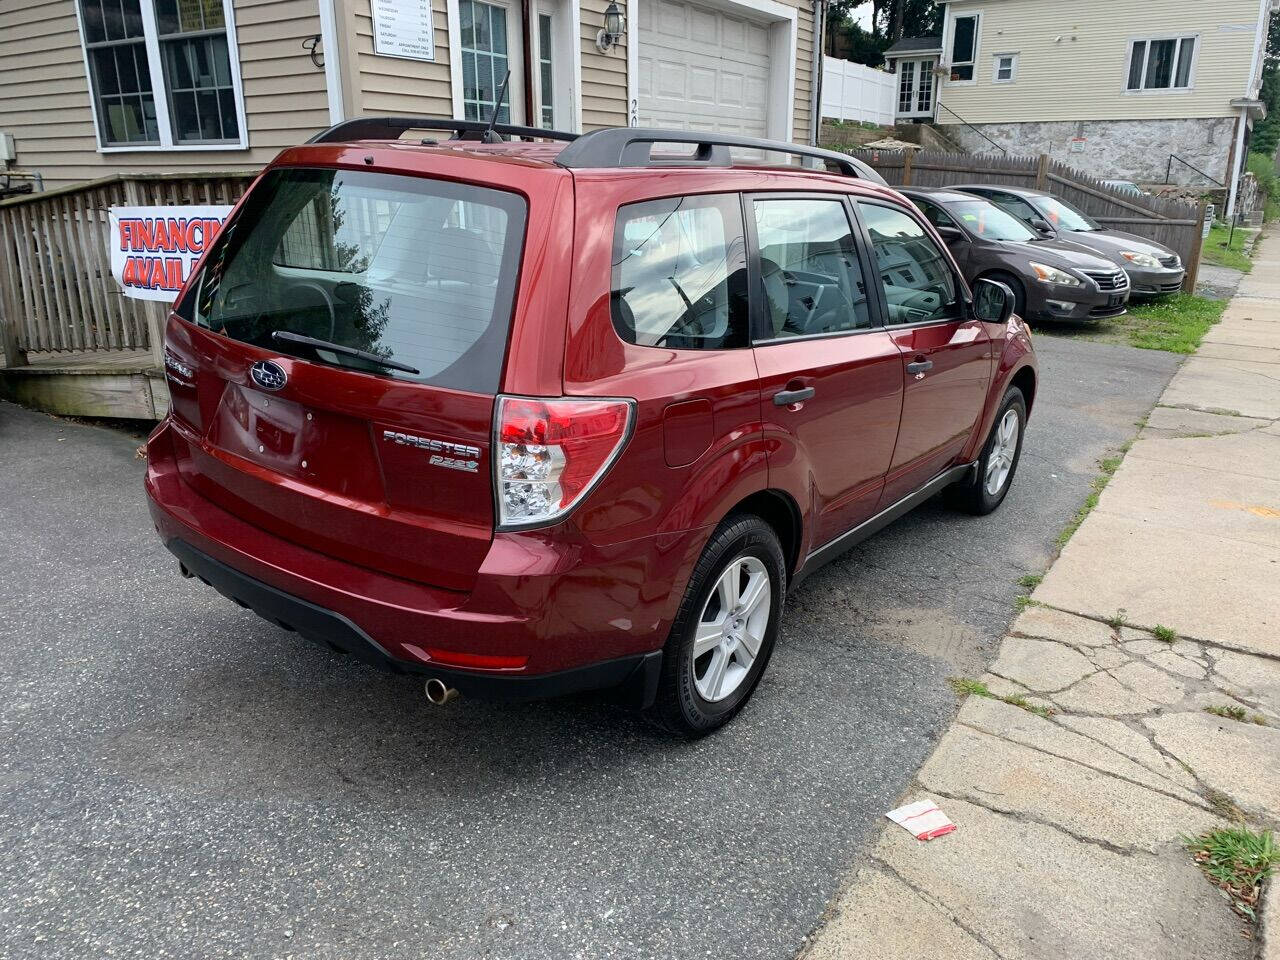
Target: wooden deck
[(89, 383)]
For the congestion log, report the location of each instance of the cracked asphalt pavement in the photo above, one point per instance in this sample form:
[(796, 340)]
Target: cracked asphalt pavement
[(182, 779)]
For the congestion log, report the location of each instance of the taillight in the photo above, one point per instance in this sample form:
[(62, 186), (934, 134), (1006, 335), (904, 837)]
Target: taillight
[(552, 452)]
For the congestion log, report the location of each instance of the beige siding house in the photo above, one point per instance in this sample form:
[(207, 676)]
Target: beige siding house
[(94, 87), (1113, 87)]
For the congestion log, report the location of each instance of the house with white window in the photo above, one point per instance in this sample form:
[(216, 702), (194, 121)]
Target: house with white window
[(90, 88), (1122, 89)]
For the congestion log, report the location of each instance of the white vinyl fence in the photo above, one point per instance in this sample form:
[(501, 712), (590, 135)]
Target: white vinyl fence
[(851, 91)]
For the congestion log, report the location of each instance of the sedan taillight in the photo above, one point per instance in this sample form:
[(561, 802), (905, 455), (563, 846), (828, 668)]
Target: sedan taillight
[(552, 452)]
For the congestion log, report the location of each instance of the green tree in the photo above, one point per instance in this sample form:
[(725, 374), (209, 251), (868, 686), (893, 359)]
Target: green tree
[(891, 20), (1266, 133)]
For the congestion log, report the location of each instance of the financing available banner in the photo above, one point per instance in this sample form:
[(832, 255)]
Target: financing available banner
[(153, 249)]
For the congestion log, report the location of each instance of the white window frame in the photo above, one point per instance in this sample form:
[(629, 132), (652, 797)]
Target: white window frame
[(566, 59), (1146, 55), (995, 67), (160, 92), (948, 45)]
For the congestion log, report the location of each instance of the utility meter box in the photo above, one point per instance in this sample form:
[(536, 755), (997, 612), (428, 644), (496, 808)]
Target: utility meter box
[(7, 152)]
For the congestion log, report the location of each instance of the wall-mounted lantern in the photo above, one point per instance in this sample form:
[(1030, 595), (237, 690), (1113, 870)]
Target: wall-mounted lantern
[(615, 27)]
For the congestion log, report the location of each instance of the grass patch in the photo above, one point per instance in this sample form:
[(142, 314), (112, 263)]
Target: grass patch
[(1031, 580), (1215, 249), (1166, 634), (967, 686), (1175, 324), (1237, 860), (1022, 601)]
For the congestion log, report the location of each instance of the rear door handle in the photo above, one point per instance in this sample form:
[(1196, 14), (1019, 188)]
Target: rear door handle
[(785, 398), (919, 366)]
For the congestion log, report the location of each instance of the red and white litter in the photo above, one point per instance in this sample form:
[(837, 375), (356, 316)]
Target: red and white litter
[(923, 819)]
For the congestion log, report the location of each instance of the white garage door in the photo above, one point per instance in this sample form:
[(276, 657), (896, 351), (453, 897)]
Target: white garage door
[(702, 70)]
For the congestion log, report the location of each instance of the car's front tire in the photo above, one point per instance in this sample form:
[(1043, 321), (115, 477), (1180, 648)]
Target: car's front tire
[(724, 631), (989, 485)]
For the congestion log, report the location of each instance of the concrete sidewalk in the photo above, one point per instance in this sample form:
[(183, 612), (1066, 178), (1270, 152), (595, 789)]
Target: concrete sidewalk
[(1070, 812)]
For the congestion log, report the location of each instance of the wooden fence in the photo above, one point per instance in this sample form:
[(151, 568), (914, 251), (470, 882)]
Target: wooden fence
[(55, 268), (1176, 224)]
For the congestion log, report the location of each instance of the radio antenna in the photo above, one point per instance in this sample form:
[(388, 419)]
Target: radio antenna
[(489, 136)]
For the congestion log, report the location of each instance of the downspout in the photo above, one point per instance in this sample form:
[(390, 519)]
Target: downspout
[(815, 86), (526, 23), (332, 48), (1260, 39)]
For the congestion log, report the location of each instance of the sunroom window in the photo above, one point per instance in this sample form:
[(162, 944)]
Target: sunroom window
[(163, 73)]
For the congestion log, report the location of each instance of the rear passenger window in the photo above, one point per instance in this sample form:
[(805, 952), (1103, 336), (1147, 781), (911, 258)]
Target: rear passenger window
[(679, 273), (918, 283), (812, 279)]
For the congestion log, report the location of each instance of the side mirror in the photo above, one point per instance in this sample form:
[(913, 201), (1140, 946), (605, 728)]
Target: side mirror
[(1042, 227), (951, 234), (992, 301)]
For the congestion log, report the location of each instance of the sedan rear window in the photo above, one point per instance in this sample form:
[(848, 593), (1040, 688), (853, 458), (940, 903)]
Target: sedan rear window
[(418, 272)]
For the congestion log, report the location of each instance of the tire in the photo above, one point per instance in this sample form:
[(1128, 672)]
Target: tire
[(689, 702), (975, 495), (1014, 284)]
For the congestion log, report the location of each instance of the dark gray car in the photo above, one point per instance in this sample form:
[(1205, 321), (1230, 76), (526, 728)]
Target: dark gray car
[(1051, 279), (1153, 270)]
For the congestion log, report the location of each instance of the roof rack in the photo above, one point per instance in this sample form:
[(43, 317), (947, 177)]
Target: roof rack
[(390, 128), (631, 147)]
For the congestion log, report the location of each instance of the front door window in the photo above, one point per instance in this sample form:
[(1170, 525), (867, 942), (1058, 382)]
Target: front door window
[(485, 59)]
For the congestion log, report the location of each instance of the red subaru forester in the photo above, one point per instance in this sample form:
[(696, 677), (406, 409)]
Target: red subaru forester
[(534, 417)]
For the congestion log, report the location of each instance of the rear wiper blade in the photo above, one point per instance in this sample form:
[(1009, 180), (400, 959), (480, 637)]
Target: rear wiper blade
[(288, 336)]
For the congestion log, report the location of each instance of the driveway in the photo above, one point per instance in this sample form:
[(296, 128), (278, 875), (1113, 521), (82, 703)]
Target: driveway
[(181, 779)]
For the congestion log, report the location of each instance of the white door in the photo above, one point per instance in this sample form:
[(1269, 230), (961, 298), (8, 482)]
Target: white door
[(915, 88), (701, 69), (553, 37), (491, 45)]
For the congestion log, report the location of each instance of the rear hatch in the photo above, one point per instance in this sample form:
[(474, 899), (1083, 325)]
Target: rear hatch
[(349, 332)]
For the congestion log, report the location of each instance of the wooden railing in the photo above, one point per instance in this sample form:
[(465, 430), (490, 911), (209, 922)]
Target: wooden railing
[(1177, 224), (55, 268)]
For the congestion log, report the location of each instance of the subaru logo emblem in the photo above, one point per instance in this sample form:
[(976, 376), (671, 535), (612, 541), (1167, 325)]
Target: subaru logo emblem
[(268, 374)]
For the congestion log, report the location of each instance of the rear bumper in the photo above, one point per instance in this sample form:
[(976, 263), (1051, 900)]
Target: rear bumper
[(548, 613), (638, 673)]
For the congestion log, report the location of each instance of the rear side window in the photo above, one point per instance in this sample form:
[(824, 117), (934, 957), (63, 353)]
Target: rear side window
[(679, 273), (809, 268), (918, 284), (415, 271)]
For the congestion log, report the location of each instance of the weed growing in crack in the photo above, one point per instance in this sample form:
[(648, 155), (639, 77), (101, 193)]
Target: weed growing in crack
[(1022, 601), (967, 686), (1237, 713), (1220, 803), (1117, 620), (1238, 860), (1164, 633), (1229, 713), (1030, 581), (1108, 465)]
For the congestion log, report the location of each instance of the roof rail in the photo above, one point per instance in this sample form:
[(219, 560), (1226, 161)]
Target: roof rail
[(390, 128), (631, 146)]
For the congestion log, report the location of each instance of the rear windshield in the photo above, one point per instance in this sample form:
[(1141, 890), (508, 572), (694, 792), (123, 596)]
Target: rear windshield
[(415, 271)]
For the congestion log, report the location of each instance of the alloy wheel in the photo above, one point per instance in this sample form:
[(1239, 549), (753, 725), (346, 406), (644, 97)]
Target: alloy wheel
[(731, 628), (1000, 459)]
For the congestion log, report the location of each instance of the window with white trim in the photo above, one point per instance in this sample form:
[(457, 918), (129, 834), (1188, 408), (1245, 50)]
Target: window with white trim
[(161, 72), (1162, 63), (1004, 68), (964, 47)]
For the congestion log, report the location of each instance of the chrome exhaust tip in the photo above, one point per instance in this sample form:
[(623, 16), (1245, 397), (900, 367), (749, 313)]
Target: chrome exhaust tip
[(438, 693)]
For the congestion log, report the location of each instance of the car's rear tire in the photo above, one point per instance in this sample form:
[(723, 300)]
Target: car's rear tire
[(724, 631), (987, 488)]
